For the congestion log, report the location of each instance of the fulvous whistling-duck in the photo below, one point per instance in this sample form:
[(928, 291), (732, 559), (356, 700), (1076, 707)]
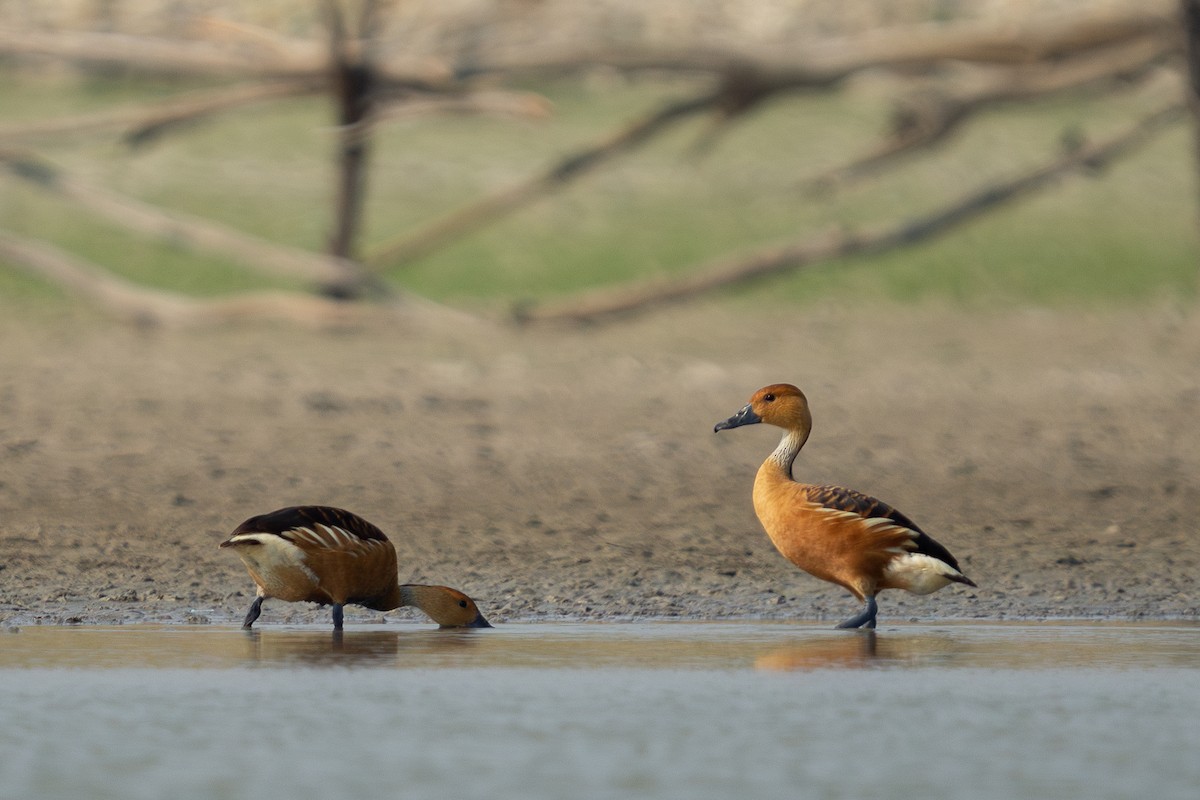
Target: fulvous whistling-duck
[(837, 534), (333, 557)]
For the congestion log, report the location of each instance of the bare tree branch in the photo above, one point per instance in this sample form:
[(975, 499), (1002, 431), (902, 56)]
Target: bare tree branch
[(1043, 54), (81, 278), (181, 229), (190, 57), (999, 41), (411, 246), (151, 55), (130, 302), (194, 106), (600, 303), (145, 120), (749, 80), (1190, 14), (140, 305), (826, 62), (930, 115), (352, 78), (815, 64), (521, 105)]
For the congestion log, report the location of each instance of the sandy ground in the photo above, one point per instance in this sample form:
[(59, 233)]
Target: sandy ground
[(574, 473)]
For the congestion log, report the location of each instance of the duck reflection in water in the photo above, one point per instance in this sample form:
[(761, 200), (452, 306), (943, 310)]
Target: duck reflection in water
[(866, 649), (824, 652), (357, 648)]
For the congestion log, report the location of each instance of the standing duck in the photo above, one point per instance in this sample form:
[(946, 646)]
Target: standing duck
[(837, 534), (333, 557)]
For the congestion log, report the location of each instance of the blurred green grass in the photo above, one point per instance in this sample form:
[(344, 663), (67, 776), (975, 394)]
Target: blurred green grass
[(1125, 236)]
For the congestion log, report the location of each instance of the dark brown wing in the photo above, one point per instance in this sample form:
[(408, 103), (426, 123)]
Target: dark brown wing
[(840, 498), (286, 519)]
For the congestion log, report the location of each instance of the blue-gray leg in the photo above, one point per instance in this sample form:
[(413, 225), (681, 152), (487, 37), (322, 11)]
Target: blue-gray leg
[(337, 616), (864, 620), (252, 614)]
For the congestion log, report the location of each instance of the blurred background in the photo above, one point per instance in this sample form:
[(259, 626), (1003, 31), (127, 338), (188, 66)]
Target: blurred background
[(545, 159)]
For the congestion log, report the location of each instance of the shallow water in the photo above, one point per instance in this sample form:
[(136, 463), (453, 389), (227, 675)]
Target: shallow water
[(646, 710)]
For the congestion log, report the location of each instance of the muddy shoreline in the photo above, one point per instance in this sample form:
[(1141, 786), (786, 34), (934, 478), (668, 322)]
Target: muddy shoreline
[(573, 474)]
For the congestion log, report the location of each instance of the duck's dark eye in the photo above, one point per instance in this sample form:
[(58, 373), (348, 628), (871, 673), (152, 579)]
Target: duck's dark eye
[(770, 398), (462, 603)]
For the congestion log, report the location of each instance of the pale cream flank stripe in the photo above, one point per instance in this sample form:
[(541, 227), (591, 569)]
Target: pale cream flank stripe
[(275, 554)]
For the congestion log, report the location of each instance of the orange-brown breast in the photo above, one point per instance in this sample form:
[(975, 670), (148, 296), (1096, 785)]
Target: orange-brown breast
[(832, 544)]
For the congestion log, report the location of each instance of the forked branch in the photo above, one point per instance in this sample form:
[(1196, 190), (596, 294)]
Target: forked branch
[(184, 230), (409, 247), (928, 116), (776, 260), (132, 303)]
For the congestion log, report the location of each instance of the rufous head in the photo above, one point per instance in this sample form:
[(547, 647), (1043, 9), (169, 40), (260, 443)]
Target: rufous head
[(780, 404), (448, 607)]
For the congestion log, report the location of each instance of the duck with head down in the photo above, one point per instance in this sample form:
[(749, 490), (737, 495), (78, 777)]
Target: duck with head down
[(833, 533), (329, 556)]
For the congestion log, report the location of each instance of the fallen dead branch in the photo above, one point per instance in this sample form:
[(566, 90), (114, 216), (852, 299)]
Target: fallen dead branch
[(193, 106), (518, 105), (139, 305), (198, 58), (1038, 37), (145, 121), (822, 63), (152, 55), (1128, 42), (412, 246), (186, 231), (234, 49), (930, 115), (600, 303), (132, 303)]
